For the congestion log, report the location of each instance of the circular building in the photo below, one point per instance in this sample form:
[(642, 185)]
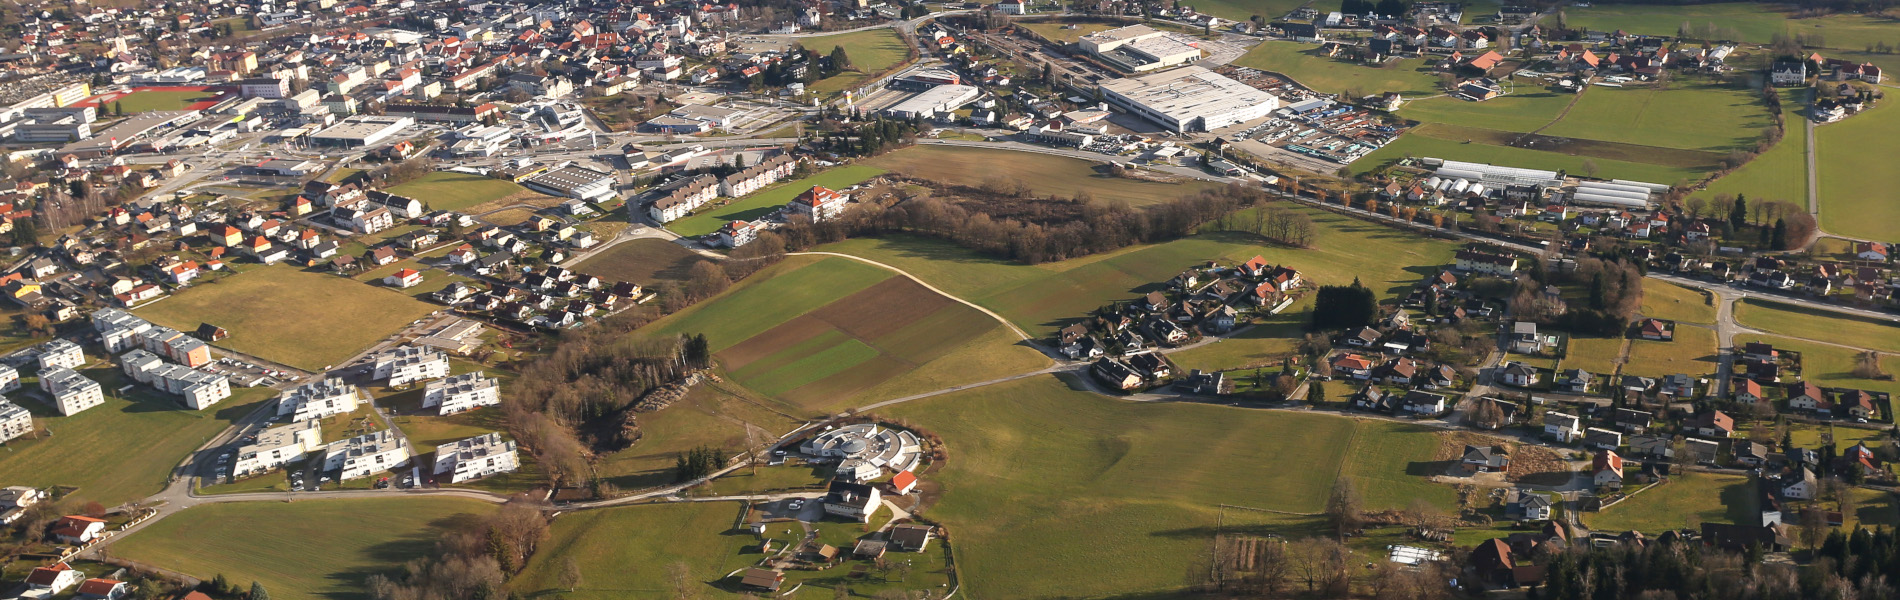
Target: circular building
[(865, 451)]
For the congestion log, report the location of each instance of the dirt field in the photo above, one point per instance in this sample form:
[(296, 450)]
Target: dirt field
[(1535, 465), (641, 261)]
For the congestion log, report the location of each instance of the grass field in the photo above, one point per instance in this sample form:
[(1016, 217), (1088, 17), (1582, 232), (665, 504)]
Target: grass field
[(1241, 10), (1305, 64), (1420, 143), (1687, 500), (1781, 173), (1692, 352), (850, 327), (1048, 488), (443, 190), (643, 261), (1046, 174), (1059, 32), (1754, 22), (291, 316), (1043, 298), (870, 52), (310, 549), (1827, 366), (761, 203), (1827, 326), (1689, 115), (1673, 302), (138, 102), (1596, 355), (709, 415), (1855, 184), (1265, 344), (124, 449), (1526, 110)]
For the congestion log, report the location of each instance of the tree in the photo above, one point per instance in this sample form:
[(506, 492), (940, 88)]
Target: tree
[(705, 279), (1316, 392), (570, 573), (258, 592), (1738, 214), (1343, 507), (1778, 240), (1488, 414), (1589, 168)]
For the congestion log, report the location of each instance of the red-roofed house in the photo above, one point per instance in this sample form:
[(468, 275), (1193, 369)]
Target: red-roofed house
[(403, 279), (75, 529), (1254, 267), (819, 203), (904, 482), (109, 589), (53, 580), (1609, 469), (1352, 365)]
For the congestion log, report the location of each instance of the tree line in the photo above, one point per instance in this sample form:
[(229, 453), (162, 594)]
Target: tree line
[(1670, 571), (474, 560)]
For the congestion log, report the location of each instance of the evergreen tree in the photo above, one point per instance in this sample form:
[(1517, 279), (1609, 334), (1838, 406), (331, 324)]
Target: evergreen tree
[(1738, 215), (258, 592), (1316, 392), (1779, 239), (840, 60)]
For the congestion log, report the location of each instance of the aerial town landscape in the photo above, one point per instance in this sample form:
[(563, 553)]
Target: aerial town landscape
[(904, 300)]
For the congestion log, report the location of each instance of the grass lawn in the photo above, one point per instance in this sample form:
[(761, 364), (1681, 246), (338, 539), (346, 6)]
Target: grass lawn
[(138, 102), (291, 316), (1420, 144), (1826, 366), (1687, 500), (1692, 352), (311, 548), (870, 52), (1265, 345), (1673, 302), (1046, 297), (1047, 175), (1827, 326), (443, 190), (710, 416), (1856, 185), (1781, 173), (1526, 110), (1807, 435), (643, 261), (1691, 115), (124, 449), (628, 551), (761, 203), (1596, 355), (1305, 64)]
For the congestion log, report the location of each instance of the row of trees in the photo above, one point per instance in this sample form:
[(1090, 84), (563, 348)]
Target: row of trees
[(1666, 571), (473, 560)]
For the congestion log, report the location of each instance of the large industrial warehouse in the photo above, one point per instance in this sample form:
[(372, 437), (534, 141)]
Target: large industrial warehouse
[(1189, 99)]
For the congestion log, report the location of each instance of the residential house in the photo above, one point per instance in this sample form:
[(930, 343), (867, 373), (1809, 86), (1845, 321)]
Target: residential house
[(1607, 470), (76, 529), (1603, 439), (1518, 374), (1485, 459), (1714, 424), (1563, 427), (1352, 365)]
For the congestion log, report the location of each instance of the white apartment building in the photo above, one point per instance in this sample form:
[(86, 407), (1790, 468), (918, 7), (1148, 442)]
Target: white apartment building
[(118, 329), (9, 379), (475, 458), (61, 352), (461, 393), (364, 455), (278, 446), (71, 391), (757, 176), (200, 389), (317, 399), (410, 364), (15, 421)]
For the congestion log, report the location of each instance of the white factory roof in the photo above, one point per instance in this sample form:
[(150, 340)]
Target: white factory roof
[(1188, 92)]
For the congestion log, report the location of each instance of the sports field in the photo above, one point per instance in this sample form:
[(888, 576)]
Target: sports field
[(444, 190), (1305, 64), (1669, 301), (1856, 185), (124, 449), (763, 202), (641, 261), (1048, 488), (1692, 352), (870, 52), (1047, 175), (1420, 143), (309, 549), (298, 318), (1043, 298), (1690, 115), (1827, 326), (815, 333), (709, 415), (1596, 355), (1827, 366), (1688, 500)]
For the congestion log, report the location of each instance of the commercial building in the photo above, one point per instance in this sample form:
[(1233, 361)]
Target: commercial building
[(118, 136), (573, 181), (461, 393), (1189, 99), (278, 446), (1140, 48), (71, 391), (865, 450), (14, 421), (692, 118), (360, 131), (1494, 176), (317, 399), (927, 103), (264, 87), (364, 455), (443, 113), (409, 364), (475, 458)]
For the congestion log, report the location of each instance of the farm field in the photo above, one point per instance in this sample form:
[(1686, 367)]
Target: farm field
[(1791, 320), (1238, 10), (148, 100), (870, 52), (1827, 366), (1596, 355), (124, 449), (1692, 352), (710, 219), (713, 415), (311, 549), (1047, 175), (1781, 173), (1524, 111), (290, 316), (1688, 499), (444, 190), (1048, 487), (642, 261), (1689, 115), (1043, 298), (1416, 144), (1854, 182), (1305, 64), (860, 326), (1669, 301)]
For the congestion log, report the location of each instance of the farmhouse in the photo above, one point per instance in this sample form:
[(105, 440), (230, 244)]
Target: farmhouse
[(855, 501), (278, 446), (461, 393), (409, 364), (866, 450), (1189, 99), (71, 391), (365, 454), (475, 458), (317, 399)]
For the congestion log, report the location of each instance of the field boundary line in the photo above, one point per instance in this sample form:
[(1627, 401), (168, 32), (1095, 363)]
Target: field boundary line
[(999, 318)]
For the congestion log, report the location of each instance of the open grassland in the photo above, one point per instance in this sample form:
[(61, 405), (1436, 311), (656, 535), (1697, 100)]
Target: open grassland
[(1048, 487), (1527, 110), (1691, 352), (1673, 302), (1596, 150), (1043, 298), (138, 102), (870, 51), (299, 318), (124, 449), (443, 190), (763, 202), (1689, 115), (1856, 184), (768, 298), (1046, 174), (717, 415), (1826, 366), (1421, 143), (643, 261), (1305, 64), (862, 326), (304, 550), (1688, 500), (1781, 173), (1241, 10), (1596, 355), (1826, 326)]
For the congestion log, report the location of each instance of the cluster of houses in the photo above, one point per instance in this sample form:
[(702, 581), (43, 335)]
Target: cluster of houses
[(1125, 343), (553, 297), (1758, 369)]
